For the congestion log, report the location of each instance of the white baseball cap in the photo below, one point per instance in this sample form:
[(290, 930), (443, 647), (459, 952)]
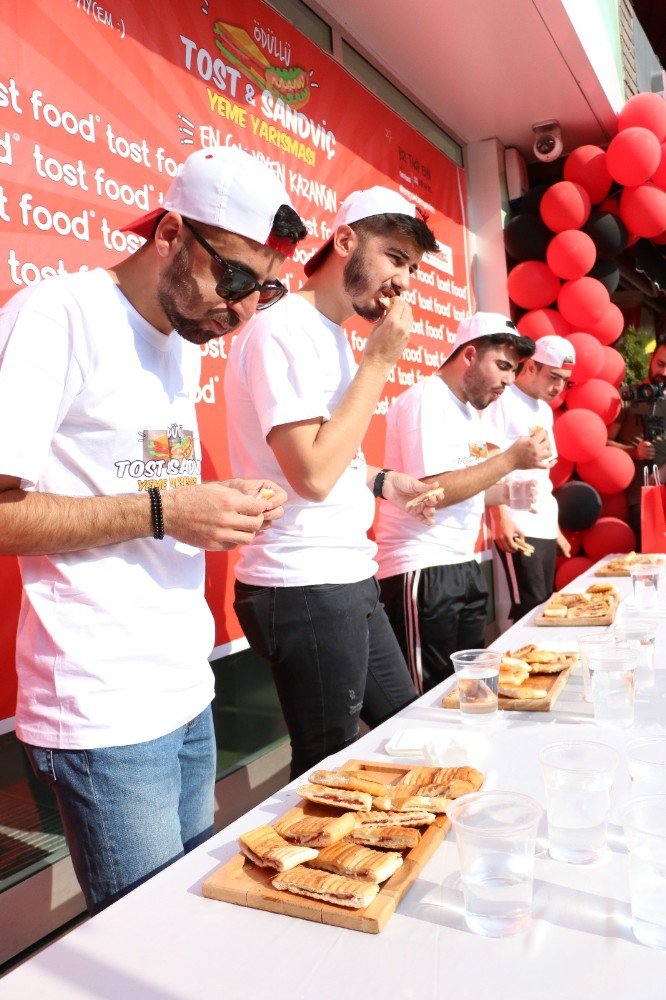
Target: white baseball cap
[(225, 187), (483, 324), (555, 352), (361, 205)]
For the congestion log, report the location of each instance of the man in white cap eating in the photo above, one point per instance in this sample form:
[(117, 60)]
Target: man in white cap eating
[(306, 594), (525, 409), (432, 585), (101, 497)]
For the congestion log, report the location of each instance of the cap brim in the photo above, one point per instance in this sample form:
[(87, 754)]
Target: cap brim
[(145, 224), (313, 263)]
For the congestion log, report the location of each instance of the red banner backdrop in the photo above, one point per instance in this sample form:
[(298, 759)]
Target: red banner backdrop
[(101, 102)]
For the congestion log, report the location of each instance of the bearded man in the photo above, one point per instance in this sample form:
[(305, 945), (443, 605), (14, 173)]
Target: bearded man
[(102, 500), (306, 595)]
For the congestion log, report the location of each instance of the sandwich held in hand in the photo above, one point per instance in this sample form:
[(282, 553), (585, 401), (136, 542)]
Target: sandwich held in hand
[(435, 494)]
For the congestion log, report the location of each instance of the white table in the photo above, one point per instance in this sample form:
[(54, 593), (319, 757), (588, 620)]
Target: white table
[(164, 941)]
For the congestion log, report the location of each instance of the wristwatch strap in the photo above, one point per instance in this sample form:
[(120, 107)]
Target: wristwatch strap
[(378, 485)]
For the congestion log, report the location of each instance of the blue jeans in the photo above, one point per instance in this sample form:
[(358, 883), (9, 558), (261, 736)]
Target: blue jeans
[(130, 811)]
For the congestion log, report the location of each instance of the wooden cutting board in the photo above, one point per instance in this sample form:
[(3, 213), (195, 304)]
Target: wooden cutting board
[(552, 683), (576, 622), (240, 881)]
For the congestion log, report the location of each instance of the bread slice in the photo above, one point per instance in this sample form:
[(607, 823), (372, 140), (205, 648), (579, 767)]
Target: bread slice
[(522, 692), (341, 798), (407, 802), (396, 838), (347, 779), (327, 888), (437, 493), (456, 780), (267, 848), (316, 831), (355, 861), (416, 817)]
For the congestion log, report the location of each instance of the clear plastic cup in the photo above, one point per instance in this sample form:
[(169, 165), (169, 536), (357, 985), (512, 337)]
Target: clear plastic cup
[(613, 673), (477, 673), (639, 635), (578, 779), (646, 760), (645, 582), (589, 644), (520, 493), (644, 821), (496, 835)]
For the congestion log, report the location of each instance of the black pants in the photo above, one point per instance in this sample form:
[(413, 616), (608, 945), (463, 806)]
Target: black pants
[(334, 658), (435, 612), (531, 579)]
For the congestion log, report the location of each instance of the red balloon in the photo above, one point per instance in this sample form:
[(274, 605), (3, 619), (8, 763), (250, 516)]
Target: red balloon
[(661, 239), (615, 505), (643, 210), (583, 302), (659, 176), (570, 569), (614, 367), (645, 111), (596, 395), (575, 540), (609, 472), (589, 357), (581, 436), (608, 534), (571, 254), (633, 156), (587, 166), (561, 472), (541, 323), (609, 327), (532, 285), (565, 205)]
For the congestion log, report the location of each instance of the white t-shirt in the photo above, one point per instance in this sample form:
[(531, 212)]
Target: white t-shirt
[(290, 363), (428, 431), (113, 641), (514, 415)]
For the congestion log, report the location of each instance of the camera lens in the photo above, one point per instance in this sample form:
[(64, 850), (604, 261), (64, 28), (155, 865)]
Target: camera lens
[(545, 144)]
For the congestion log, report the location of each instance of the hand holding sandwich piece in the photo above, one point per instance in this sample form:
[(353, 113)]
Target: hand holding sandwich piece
[(533, 452), (271, 495), (413, 496), (390, 335)]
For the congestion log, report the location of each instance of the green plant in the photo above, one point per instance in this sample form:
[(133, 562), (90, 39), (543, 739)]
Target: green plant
[(632, 346)]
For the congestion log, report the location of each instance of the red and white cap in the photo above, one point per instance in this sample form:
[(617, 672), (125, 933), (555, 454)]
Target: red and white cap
[(361, 205), (225, 187), (483, 324), (555, 352)]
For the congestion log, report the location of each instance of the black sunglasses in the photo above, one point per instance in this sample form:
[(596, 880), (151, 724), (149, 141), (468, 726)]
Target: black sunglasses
[(236, 283)]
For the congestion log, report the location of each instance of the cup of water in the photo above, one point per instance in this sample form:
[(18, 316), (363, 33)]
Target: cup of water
[(591, 643), (645, 582), (644, 821), (613, 673), (578, 778), (646, 760), (477, 673), (496, 835), (639, 635)]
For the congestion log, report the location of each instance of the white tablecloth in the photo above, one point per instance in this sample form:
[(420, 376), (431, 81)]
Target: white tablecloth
[(164, 941)]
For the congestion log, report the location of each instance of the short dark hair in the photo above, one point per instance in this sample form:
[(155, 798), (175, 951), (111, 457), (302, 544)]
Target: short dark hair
[(413, 229), (288, 225), (523, 345)]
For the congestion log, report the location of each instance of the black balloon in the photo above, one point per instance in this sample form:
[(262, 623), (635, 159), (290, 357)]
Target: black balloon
[(579, 505), (608, 233), (608, 273), (527, 238), (531, 200)]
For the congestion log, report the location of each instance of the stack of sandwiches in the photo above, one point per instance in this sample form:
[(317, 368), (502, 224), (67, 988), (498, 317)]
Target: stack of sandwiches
[(597, 601), (344, 858)]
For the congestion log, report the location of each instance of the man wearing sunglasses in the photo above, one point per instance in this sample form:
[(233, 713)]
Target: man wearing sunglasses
[(306, 597), (524, 407), (101, 497)]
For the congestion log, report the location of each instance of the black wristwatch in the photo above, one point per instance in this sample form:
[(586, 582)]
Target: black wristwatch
[(378, 485)]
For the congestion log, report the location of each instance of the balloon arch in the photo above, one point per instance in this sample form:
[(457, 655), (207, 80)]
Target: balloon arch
[(563, 243)]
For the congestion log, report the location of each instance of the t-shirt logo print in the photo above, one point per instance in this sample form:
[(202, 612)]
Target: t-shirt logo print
[(174, 442), (169, 459), (478, 449)]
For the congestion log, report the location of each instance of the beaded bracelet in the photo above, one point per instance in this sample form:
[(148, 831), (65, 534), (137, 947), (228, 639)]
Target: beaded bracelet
[(156, 511)]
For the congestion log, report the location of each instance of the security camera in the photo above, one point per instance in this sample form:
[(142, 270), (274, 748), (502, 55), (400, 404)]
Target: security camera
[(547, 144)]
